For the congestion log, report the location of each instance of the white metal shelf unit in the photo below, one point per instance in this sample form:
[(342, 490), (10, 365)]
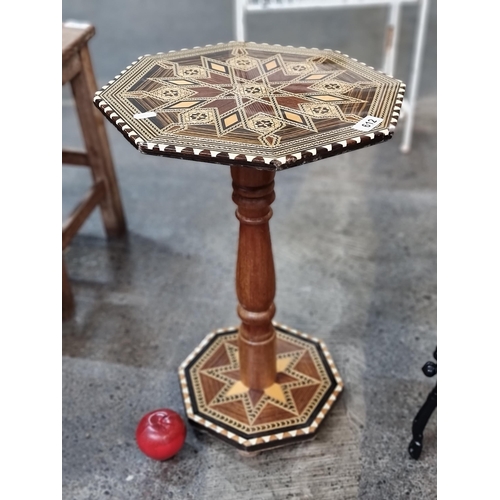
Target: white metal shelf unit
[(242, 7)]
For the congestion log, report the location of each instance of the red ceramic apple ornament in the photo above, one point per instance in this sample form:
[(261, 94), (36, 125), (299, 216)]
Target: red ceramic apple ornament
[(160, 434)]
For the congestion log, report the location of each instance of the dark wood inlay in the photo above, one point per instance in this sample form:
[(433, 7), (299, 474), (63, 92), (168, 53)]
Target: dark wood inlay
[(272, 413), (302, 396), (219, 358), (307, 366), (211, 387), (233, 409)]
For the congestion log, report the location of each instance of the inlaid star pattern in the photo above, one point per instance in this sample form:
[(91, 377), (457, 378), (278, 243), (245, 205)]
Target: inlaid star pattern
[(274, 392), (248, 97), (298, 381), (258, 105)]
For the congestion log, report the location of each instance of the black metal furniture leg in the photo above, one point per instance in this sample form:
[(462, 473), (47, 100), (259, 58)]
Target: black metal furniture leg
[(420, 422), (425, 412)]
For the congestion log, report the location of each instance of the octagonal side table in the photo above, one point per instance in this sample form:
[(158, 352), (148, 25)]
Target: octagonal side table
[(260, 109)]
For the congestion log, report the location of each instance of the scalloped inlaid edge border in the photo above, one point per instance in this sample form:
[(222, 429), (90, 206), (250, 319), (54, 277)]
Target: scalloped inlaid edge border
[(263, 162), (272, 439)]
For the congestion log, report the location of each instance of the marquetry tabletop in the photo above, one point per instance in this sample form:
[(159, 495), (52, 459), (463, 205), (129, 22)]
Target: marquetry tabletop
[(243, 103)]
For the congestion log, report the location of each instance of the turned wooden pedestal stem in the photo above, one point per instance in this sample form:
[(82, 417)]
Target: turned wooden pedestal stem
[(253, 192)]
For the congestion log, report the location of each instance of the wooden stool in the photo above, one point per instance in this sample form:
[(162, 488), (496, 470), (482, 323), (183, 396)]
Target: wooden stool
[(77, 70)]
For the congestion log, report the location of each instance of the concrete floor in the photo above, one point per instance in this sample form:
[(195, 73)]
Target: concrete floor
[(355, 251)]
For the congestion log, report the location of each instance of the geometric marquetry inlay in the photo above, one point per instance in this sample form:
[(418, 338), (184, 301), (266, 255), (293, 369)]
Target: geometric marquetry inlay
[(244, 103), (307, 384)]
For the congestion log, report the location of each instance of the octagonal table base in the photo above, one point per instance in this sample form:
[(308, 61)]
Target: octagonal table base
[(287, 412)]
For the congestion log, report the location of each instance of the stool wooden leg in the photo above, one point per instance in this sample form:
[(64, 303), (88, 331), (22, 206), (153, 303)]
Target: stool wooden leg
[(97, 146), (68, 302)]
